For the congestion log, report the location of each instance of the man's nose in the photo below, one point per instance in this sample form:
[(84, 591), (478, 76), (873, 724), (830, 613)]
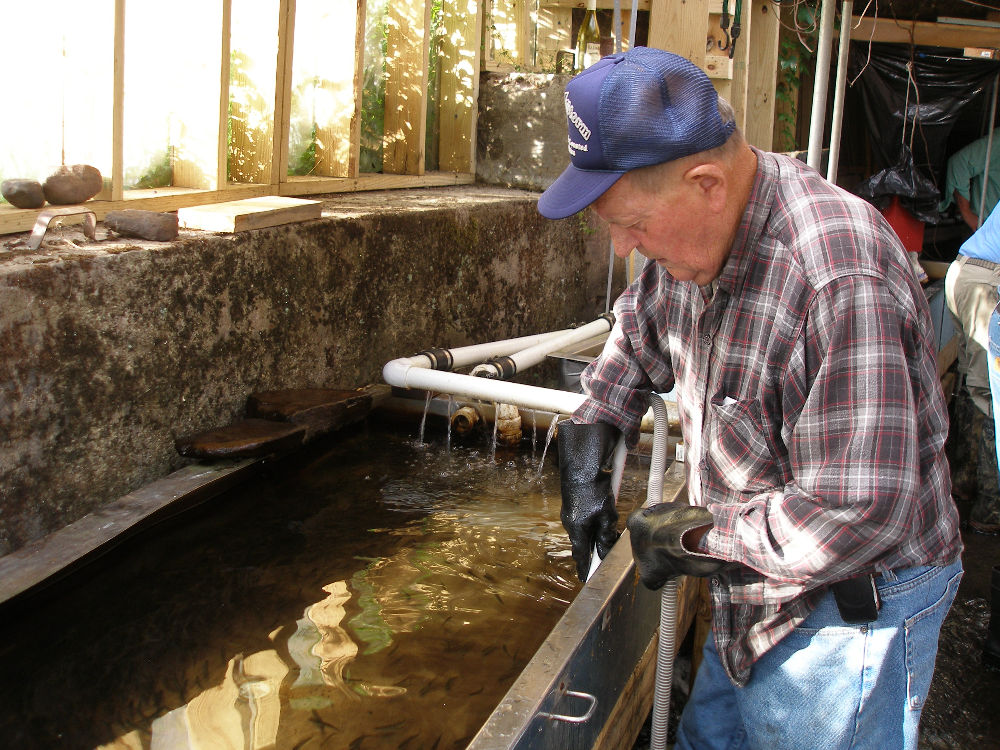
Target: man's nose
[(622, 242)]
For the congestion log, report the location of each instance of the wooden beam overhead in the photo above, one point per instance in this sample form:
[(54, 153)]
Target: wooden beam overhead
[(926, 33)]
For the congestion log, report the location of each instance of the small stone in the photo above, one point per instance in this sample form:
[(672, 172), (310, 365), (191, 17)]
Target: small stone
[(23, 193), (146, 225), (70, 185)]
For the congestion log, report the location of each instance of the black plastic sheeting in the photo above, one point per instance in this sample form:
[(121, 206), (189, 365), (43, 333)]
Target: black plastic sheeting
[(912, 98)]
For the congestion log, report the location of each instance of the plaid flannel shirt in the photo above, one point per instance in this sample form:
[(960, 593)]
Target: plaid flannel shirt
[(810, 404)]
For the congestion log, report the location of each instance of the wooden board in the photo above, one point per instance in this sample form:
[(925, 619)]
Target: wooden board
[(250, 213), (246, 438)]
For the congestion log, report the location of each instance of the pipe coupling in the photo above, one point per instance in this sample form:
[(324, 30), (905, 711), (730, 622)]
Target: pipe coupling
[(441, 359), (505, 366)]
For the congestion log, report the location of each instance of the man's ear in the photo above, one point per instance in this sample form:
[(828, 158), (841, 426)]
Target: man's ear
[(709, 180)]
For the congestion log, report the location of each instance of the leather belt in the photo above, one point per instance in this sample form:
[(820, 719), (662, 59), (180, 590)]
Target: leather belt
[(982, 263)]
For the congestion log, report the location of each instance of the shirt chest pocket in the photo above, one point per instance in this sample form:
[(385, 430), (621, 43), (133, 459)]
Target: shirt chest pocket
[(737, 450)]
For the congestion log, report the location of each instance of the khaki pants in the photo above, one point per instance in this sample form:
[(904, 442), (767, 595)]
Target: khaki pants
[(970, 291)]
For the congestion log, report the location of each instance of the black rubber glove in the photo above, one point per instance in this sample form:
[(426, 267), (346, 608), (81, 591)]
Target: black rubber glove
[(656, 534), (588, 514)]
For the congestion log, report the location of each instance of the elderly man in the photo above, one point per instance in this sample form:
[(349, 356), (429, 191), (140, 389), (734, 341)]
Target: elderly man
[(785, 314)]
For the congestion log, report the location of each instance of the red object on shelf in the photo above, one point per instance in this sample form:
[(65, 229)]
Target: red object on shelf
[(908, 228)]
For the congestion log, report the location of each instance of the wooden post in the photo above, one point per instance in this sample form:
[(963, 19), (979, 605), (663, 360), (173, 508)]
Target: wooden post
[(359, 84), (737, 90), (118, 108), (407, 45), (283, 92), (462, 22), (526, 21), (762, 74), (680, 27), (222, 147)]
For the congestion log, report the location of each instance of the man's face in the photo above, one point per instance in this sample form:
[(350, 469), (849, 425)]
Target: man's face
[(679, 226)]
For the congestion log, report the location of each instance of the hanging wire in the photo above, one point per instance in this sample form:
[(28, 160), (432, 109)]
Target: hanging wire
[(871, 38), (906, 107)]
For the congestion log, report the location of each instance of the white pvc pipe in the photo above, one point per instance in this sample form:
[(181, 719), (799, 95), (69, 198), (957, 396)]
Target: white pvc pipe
[(823, 53), (463, 356), (838, 95), (631, 23), (617, 22), (415, 373), (522, 360), (408, 372)]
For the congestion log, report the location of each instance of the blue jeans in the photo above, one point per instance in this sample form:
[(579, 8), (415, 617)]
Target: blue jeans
[(829, 685)]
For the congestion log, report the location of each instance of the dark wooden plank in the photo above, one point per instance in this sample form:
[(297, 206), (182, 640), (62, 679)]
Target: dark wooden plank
[(319, 410), (243, 439)]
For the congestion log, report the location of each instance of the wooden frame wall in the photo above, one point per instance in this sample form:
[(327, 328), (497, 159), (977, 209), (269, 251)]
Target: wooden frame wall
[(200, 164), (519, 34)]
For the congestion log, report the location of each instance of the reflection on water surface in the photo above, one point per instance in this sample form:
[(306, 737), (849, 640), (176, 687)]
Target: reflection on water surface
[(384, 594)]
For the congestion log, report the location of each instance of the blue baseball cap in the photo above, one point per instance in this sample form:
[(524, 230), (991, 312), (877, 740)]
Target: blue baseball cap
[(629, 110)]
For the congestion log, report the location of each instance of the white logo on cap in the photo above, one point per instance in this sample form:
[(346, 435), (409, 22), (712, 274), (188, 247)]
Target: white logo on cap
[(575, 118)]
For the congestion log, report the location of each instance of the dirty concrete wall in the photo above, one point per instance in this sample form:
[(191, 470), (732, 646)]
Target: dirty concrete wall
[(110, 350), (521, 134)]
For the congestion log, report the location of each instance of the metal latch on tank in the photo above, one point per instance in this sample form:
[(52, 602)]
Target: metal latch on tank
[(591, 699)]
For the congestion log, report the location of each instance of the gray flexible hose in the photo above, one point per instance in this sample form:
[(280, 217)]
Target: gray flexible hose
[(668, 599)]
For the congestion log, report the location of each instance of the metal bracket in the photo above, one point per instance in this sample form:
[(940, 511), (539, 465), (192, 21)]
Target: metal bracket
[(44, 217), (574, 719)]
